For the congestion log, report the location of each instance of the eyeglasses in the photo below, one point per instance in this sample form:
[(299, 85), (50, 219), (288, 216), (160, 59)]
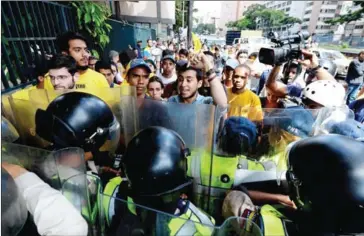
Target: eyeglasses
[(61, 77)]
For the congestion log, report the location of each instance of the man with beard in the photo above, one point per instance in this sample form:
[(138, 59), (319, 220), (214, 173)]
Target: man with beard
[(75, 45), (62, 72), (190, 80), (243, 101)]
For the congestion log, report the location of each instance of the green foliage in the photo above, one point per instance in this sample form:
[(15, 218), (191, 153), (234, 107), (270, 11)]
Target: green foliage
[(92, 18), (350, 16), (344, 45), (179, 13), (205, 29), (257, 12)]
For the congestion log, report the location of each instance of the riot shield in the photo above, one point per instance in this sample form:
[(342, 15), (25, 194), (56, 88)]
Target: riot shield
[(249, 147), (130, 218), (13, 207), (8, 131), (84, 192), (24, 121), (52, 167), (194, 123), (40, 99)]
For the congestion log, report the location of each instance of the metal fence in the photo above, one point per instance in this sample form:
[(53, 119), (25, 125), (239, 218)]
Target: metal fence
[(28, 33), (351, 41)]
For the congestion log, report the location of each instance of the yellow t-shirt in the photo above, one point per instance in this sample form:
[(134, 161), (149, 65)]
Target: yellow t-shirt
[(246, 104), (23, 93), (88, 79)]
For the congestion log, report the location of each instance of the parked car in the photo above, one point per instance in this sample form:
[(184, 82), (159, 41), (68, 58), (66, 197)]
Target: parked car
[(337, 57)]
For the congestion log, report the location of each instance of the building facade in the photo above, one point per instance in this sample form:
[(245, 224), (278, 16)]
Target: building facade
[(232, 11), (290, 8), (158, 15)]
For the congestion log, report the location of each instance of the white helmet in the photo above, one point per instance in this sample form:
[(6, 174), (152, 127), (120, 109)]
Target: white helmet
[(328, 93)]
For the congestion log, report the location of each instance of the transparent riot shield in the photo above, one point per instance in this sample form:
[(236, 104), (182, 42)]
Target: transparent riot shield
[(84, 192), (13, 207), (249, 147), (194, 123), (327, 116), (8, 131), (53, 167), (130, 218), (23, 113)]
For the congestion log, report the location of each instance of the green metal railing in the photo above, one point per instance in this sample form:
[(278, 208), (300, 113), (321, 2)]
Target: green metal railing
[(28, 33)]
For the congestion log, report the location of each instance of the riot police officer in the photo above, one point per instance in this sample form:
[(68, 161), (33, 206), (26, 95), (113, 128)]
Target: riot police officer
[(78, 119), (326, 185), (24, 191), (155, 164)]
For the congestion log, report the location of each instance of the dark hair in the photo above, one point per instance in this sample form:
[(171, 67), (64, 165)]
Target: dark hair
[(208, 53), (148, 40), (254, 54), (126, 56), (167, 52), (92, 58), (199, 73), (63, 40), (103, 65), (243, 66), (183, 52), (241, 52), (155, 79), (60, 61)]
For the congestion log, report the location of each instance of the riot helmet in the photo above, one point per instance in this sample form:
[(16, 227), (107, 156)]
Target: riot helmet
[(155, 162), (8, 131), (78, 119), (326, 182), (13, 208), (237, 136), (326, 93), (329, 66)]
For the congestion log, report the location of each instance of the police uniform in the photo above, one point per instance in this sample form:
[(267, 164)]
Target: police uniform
[(155, 185)]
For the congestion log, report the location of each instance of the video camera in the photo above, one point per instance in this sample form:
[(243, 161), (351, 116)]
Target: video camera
[(285, 49)]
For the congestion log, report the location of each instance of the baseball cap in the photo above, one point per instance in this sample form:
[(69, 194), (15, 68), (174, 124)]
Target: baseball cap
[(170, 57), (139, 63), (238, 135), (350, 128), (295, 120), (150, 60), (181, 64), (233, 63)]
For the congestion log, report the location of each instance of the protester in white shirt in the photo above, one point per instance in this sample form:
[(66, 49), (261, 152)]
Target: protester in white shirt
[(52, 213), (168, 74)]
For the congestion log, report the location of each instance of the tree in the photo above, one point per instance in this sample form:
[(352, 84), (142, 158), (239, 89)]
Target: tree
[(270, 17), (290, 21), (350, 16), (205, 29)]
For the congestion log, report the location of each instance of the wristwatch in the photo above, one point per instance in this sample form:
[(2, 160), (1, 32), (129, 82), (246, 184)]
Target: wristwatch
[(210, 72)]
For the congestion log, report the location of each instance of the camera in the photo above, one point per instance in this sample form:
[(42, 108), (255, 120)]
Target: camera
[(285, 49)]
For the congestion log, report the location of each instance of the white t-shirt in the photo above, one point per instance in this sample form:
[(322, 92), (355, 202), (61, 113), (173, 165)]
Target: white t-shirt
[(166, 81)]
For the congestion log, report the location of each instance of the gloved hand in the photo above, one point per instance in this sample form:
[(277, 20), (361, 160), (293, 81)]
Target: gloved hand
[(236, 203)]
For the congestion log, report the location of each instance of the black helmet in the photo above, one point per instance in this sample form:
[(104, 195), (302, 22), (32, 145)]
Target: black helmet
[(326, 178), (329, 66), (77, 119), (155, 162)]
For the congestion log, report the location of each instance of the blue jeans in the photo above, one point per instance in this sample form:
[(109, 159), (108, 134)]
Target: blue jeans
[(352, 93)]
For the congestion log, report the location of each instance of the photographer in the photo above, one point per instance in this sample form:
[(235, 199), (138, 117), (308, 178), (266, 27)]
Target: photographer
[(320, 94)]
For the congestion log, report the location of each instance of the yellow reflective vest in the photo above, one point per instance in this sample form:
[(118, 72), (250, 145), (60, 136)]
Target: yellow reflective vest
[(192, 222)]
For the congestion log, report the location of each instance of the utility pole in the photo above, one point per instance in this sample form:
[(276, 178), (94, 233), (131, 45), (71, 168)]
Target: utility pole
[(183, 14), (190, 21)]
